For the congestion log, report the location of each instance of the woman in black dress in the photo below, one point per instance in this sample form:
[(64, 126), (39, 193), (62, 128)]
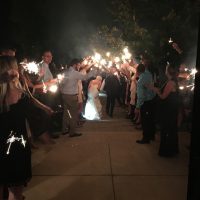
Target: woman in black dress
[(15, 153), (168, 114)]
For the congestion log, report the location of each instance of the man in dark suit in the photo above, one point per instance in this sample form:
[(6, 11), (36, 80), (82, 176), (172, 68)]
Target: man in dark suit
[(112, 86)]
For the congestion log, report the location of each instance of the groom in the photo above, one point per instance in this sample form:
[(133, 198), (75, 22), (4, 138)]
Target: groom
[(111, 87)]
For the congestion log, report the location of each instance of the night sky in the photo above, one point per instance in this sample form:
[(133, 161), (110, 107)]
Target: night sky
[(64, 26)]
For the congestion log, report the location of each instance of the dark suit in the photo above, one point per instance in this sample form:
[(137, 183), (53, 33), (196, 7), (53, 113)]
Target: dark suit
[(112, 86)]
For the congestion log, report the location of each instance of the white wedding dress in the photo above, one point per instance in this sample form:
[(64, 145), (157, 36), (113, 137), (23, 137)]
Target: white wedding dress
[(93, 105)]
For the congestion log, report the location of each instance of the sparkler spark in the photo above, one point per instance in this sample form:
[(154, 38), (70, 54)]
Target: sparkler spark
[(69, 114), (31, 67), (108, 54), (12, 139), (44, 87), (117, 59), (170, 40), (53, 88)]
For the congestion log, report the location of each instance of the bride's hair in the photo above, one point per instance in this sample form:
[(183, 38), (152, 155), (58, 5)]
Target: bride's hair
[(99, 78)]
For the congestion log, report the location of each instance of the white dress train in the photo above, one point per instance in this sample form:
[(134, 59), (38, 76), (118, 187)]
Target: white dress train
[(93, 106)]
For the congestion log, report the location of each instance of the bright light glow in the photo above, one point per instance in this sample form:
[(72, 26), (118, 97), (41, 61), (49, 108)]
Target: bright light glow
[(85, 62), (181, 87), (103, 62), (117, 59), (90, 111), (44, 87), (118, 66), (12, 139), (60, 77), (125, 50), (170, 40), (108, 54), (193, 71), (110, 64), (53, 88), (31, 67), (97, 57), (128, 55)]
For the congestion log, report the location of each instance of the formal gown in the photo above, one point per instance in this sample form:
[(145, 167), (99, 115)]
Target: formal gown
[(15, 152), (168, 109), (93, 109)]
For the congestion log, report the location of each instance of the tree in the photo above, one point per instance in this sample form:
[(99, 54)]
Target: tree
[(147, 25)]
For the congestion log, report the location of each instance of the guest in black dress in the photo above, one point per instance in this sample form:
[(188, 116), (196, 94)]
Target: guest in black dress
[(168, 109), (15, 154)]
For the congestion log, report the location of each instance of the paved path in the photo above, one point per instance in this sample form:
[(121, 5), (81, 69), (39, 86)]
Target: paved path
[(106, 163)]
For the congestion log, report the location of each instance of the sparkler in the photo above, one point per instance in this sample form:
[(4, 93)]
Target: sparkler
[(31, 67), (110, 63), (117, 59), (44, 87), (108, 54), (170, 40), (53, 88), (190, 77), (60, 77), (97, 57), (12, 139), (69, 114)]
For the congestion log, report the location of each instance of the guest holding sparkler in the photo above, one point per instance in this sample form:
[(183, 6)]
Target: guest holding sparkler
[(15, 154), (41, 85), (169, 108), (44, 79), (69, 90)]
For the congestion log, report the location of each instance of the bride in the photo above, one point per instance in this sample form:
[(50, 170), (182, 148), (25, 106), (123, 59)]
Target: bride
[(93, 105)]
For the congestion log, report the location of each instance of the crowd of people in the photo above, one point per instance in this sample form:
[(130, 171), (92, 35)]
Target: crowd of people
[(27, 107)]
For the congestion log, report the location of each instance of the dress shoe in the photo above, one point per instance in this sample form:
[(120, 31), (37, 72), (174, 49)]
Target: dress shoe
[(143, 141), (55, 136), (65, 132), (153, 138), (75, 135)]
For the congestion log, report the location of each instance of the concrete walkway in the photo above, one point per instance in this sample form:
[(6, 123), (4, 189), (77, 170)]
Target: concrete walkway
[(106, 163)]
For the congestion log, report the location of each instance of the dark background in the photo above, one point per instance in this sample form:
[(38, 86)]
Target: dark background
[(64, 26)]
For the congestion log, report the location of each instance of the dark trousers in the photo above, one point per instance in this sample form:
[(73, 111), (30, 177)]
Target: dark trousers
[(147, 120), (169, 137), (110, 103)]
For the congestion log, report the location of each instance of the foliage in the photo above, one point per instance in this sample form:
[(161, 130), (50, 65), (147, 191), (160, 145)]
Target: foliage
[(147, 25)]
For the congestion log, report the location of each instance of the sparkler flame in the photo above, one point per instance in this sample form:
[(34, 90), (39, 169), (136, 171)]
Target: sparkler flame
[(53, 88), (13, 139), (44, 87), (170, 40), (31, 67), (117, 59), (108, 54), (60, 77)]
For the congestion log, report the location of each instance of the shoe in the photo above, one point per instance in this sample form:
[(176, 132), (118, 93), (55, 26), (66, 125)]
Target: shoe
[(66, 132), (75, 135), (153, 138), (142, 141), (55, 136)]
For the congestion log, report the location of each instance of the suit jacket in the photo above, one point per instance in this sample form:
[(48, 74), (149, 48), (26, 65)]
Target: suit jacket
[(112, 85)]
